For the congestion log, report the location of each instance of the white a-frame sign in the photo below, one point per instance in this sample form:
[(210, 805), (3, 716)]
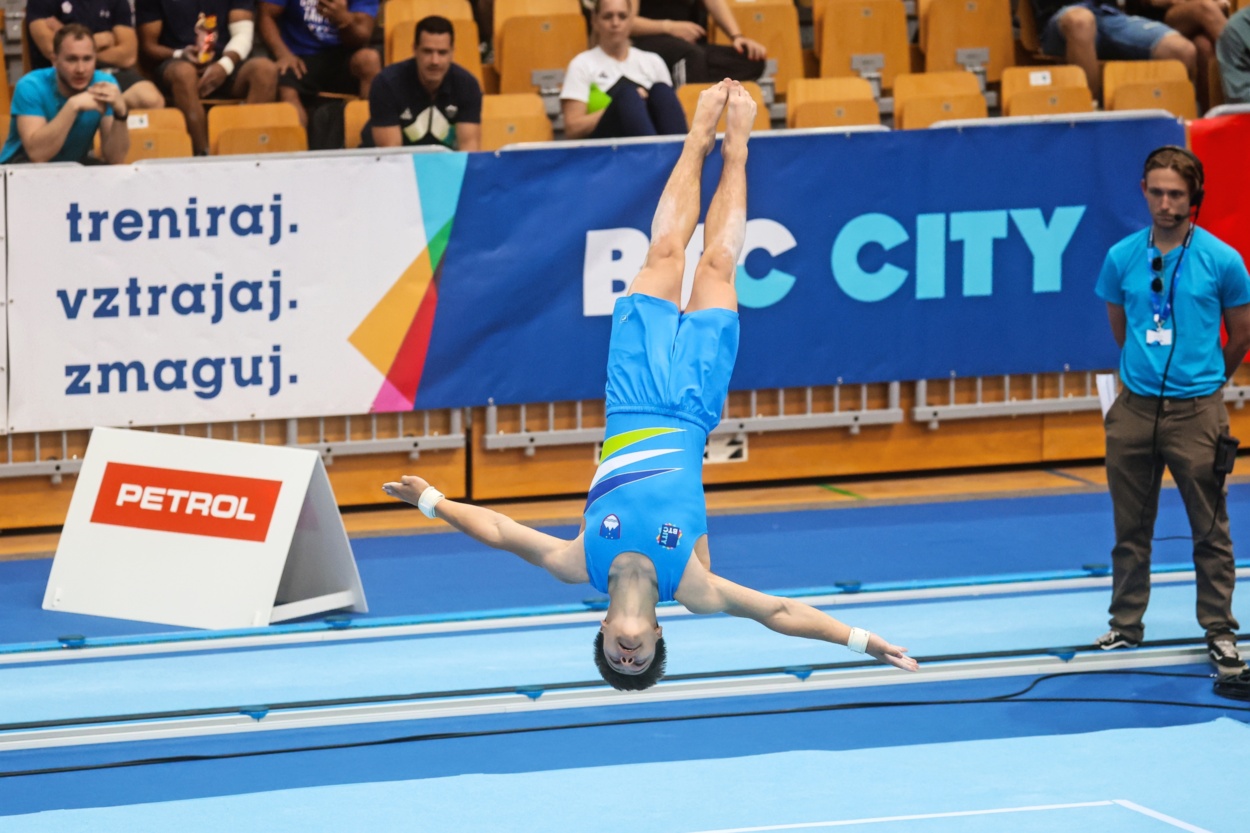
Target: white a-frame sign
[(201, 533)]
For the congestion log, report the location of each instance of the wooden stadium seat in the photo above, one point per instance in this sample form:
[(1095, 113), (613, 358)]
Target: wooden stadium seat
[(1030, 36), (776, 26), (277, 114), (1019, 79), (538, 42), (6, 98), (818, 20), (1177, 97), (518, 117), (1215, 83), (820, 99), (846, 113), (165, 118), (26, 66), (1115, 73), (924, 110), (1042, 101), (913, 85), (355, 115), (158, 143), (400, 42), (397, 10), (279, 138), (505, 10), (688, 95), (858, 31), (952, 29)]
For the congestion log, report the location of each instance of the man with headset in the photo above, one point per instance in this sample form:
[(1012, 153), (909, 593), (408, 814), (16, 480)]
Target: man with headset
[(1167, 288)]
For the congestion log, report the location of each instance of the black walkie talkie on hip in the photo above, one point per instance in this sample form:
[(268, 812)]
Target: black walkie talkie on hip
[(1225, 454)]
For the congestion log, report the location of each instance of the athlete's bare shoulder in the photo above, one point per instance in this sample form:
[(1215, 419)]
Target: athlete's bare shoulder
[(568, 563), (698, 589)]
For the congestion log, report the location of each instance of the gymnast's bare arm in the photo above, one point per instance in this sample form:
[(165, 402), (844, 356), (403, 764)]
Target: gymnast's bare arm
[(565, 560), (701, 591)]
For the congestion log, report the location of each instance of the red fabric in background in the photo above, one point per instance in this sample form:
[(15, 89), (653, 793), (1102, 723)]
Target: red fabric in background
[(1223, 145)]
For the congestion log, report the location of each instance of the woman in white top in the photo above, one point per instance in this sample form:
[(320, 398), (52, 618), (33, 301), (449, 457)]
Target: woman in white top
[(616, 90)]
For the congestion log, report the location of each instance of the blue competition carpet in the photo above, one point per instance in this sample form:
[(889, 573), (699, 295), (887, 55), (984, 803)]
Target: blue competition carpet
[(447, 572), (1116, 749), (553, 655), (1108, 780)]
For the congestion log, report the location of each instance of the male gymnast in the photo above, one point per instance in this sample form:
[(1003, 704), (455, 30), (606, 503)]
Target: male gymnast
[(668, 377)]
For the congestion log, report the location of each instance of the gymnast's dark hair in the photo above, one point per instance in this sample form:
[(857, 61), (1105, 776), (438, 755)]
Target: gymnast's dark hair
[(631, 682)]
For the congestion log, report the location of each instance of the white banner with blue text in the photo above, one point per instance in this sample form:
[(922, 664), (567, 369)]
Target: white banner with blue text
[(232, 290)]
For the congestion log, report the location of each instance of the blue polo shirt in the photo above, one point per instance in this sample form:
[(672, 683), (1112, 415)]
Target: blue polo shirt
[(1212, 278), (305, 31), (36, 94), (96, 15)]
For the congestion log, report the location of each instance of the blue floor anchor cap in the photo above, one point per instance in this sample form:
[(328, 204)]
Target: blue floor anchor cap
[(339, 621)]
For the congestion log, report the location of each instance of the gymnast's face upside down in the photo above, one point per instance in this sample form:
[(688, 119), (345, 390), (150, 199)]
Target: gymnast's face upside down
[(630, 652)]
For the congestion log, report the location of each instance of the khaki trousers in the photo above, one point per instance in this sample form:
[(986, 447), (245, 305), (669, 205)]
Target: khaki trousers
[(1186, 439)]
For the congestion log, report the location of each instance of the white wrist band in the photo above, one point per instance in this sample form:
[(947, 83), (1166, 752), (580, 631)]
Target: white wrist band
[(858, 641), (178, 53), (428, 500), (227, 64)]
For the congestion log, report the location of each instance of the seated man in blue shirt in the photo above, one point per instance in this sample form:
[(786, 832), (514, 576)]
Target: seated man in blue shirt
[(57, 110), (112, 25), (321, 46), (644, 533), (426, 100), (1088, 31), (199, 49)]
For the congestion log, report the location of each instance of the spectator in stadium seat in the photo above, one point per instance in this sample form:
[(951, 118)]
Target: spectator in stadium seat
[(1202, 21), (671, 29), (616, 89), (427, 99), (1087, 32), (57, 110), (112, 25), (1233, 51), (185, 44), (320, 46)]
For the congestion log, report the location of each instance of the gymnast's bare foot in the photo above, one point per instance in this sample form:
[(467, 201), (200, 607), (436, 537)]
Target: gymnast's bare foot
[(739, 118), (706, 114)]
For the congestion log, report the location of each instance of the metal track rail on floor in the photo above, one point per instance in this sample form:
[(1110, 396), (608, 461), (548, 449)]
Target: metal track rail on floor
[(349, 630), (532, 699)]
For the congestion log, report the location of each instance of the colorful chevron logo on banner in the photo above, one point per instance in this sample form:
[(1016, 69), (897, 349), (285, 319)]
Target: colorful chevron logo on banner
[(395, 335)]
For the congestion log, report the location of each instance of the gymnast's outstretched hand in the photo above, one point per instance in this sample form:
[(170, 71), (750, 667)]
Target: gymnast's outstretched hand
[(893, 654), (408, 489)]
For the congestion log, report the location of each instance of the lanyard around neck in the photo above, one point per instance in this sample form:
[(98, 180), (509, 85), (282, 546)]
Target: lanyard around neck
[(1162, 310)]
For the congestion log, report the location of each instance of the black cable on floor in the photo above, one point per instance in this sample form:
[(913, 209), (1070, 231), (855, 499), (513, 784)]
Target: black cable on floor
[(1012, 697), (218, 711)]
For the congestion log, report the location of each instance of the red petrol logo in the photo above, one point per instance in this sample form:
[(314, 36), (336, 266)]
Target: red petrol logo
[(188, 502)]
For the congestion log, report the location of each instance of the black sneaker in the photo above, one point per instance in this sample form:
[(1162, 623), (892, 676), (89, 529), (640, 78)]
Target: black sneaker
[(1222, 650), (1113, 639)]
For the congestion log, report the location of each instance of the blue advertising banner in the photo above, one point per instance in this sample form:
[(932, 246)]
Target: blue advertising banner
[(869, 257)]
